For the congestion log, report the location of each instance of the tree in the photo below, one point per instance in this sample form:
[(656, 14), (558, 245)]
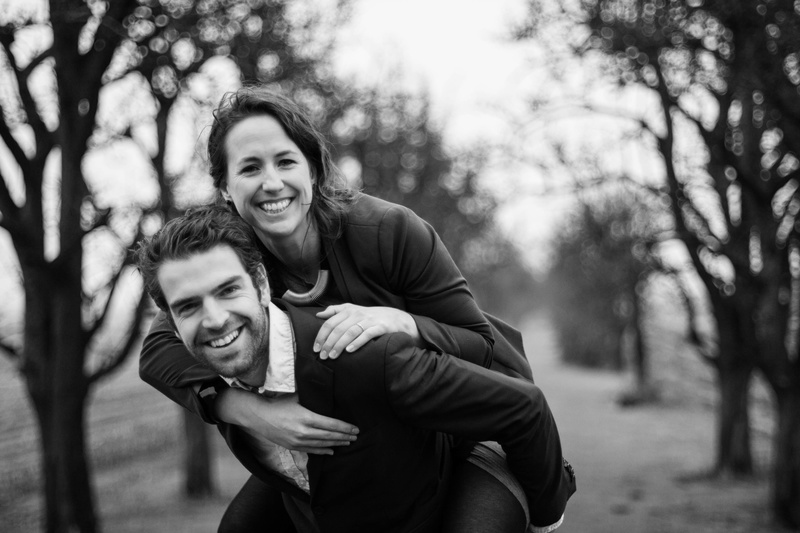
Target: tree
[(725, 75), (602, 260), (46, 138), (50, 125)]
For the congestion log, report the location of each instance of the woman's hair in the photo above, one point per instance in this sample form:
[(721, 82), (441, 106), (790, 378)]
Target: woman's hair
[(332, 196)]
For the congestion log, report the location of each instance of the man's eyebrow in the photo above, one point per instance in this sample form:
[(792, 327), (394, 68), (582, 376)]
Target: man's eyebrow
[(229, 281)]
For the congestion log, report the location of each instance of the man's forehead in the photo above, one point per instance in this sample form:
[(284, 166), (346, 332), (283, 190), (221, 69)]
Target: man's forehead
[(199, 272)]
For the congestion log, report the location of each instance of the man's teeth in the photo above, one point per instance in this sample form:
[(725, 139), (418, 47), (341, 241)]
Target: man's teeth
[(224, 341), (275, 207)]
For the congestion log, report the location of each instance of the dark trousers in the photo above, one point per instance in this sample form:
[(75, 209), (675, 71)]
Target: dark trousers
[(476, 503)]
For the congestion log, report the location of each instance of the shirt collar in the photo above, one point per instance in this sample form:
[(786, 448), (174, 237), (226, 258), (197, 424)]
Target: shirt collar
[(280, 370)]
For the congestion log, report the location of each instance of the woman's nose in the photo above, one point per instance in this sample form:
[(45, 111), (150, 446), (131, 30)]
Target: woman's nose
[(271, 182)]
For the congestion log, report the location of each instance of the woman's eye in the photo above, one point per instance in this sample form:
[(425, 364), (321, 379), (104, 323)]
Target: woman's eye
[(286, 162), (249, 169)]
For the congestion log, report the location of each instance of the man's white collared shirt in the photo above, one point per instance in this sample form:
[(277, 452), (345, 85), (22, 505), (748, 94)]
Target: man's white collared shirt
[(279, 381)]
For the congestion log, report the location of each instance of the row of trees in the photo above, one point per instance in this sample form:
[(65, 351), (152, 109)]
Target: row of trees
[(86, 81), (724, 79)]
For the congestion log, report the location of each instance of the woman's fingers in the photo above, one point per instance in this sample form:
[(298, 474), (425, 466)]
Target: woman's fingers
[(335, 315), (355, 335), (348, 327)]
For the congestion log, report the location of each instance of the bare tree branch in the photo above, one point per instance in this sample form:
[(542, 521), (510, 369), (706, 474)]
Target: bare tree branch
[(9, 210), (114, 284), (693, 335), (113, 362), (13, 146), (10, 351), (42, 135)]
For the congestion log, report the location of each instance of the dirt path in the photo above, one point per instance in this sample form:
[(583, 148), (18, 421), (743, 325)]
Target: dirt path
[(628, 462)]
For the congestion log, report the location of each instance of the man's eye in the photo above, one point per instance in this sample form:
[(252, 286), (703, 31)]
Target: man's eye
[(186, 310), (229, 290)]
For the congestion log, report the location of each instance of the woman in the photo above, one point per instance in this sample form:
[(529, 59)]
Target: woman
[(376, 266)]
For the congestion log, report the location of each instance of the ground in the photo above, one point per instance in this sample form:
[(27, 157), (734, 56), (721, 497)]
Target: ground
[(639, 470)]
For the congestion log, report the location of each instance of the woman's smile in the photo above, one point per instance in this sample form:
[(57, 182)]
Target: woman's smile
[(269, 181)]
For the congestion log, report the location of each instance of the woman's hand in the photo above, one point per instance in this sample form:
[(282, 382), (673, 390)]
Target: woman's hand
[(284, 421), (348, 327)]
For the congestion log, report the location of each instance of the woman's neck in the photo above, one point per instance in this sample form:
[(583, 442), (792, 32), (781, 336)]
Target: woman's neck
[(300, 255)]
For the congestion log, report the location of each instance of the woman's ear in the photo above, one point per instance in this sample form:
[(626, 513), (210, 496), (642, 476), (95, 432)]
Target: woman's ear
[(263, 284)]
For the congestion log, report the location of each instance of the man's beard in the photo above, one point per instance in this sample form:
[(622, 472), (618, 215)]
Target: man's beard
[(252, 348)]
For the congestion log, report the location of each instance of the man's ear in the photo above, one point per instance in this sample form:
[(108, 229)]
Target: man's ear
[(263, 284)]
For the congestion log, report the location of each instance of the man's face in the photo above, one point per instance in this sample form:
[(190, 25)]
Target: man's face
[(218, 313)]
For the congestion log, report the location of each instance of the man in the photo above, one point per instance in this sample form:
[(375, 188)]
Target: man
[(205, 272)]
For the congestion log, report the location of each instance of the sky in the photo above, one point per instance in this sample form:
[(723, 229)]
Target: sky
[(459, 51)]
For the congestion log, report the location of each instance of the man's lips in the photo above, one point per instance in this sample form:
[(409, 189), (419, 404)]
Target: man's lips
[(221, 342)]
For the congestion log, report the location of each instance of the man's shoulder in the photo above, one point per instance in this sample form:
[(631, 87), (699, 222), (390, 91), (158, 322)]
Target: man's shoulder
[(375, 355)]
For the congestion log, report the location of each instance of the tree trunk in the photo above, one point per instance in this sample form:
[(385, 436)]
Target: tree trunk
[(58, 388), (734, 369), (199, 481), (733, 436), (68, 494), (786, 478)]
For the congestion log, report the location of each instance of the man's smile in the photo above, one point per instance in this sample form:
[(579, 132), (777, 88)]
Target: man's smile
[(221, 342)]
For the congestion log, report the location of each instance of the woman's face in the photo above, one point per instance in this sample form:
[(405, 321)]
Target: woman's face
[(268, 179)]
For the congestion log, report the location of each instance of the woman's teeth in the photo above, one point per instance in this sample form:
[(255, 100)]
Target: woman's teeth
[(275, 207)]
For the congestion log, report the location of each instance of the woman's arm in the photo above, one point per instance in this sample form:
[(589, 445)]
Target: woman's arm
[(401, 264), (167, 365), (420, 268)]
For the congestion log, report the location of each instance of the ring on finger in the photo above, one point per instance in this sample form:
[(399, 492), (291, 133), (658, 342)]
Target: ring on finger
[(362, 327)]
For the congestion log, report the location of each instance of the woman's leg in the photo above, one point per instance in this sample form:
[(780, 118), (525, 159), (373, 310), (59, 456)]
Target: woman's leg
[(256, 508), (478, 502)]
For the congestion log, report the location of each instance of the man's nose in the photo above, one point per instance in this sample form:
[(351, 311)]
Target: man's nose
[(214, 315)]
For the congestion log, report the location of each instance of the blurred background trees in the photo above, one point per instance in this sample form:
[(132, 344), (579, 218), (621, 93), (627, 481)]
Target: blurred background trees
[(602, 262), (721, 79)]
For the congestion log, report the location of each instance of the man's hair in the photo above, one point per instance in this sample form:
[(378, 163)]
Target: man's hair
[(198, 230), (332, 195)]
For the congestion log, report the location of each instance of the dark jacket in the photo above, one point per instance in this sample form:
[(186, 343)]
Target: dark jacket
[(386, 256), (406, 402)]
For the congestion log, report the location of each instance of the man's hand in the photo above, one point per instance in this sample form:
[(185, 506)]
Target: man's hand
[(284, 421), (348, 327)]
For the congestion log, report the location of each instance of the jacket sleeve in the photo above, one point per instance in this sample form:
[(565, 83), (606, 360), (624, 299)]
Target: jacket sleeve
[(418, 266), (167, 365), (439, 393)]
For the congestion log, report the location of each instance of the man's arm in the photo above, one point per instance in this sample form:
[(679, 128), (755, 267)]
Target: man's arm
[(442, 393)]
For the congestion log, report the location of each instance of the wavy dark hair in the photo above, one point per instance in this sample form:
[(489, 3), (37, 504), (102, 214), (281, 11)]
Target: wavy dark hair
[(197, 231), (332, 196)]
